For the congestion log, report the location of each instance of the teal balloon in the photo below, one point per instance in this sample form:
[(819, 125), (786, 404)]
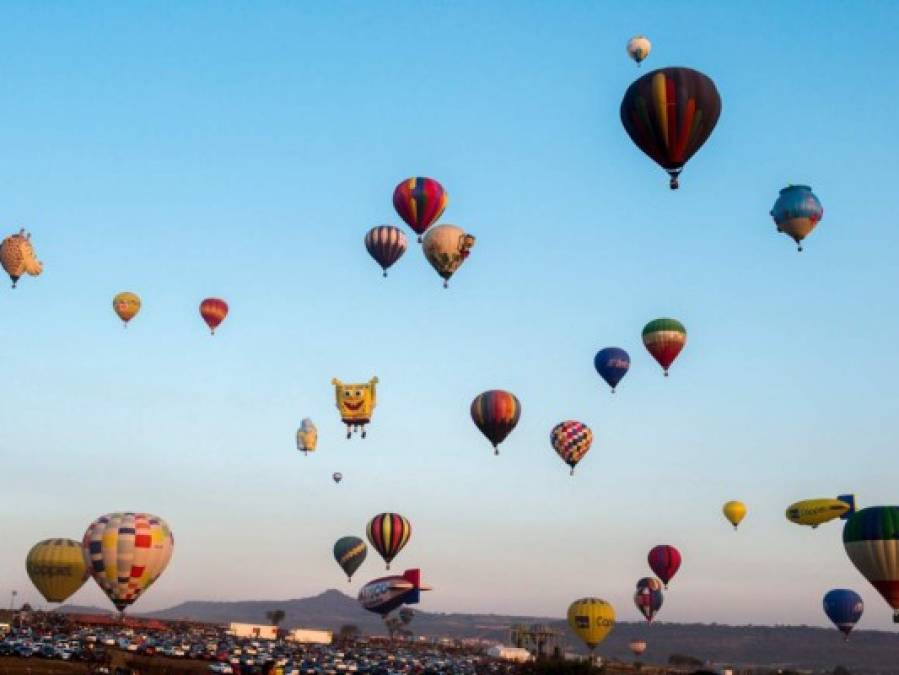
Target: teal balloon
[(350, 552)]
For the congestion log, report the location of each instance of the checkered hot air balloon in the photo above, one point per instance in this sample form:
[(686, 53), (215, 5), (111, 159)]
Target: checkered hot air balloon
[(571, 440), (388, 533), (420, 202)]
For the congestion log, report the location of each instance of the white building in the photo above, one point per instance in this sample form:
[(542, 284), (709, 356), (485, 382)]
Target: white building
[(250, 630), (516, 654), (314, 637)]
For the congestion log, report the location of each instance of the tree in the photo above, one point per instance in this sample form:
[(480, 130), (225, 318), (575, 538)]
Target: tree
[(840, 670), (276, 616), (348, 632)]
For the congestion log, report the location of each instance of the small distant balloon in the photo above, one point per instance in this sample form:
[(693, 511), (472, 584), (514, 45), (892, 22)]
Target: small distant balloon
[(18, 257), (844, 607), (495, 413), (664, 560), (350, 552), (796, 212), (637, 646), (307, 436), (571, 440), (337, 476), (126, 305), (734, 511), (213, 311), (664, 339), (420, 202), (648, 597), (638, 48), (446, 247), (386, 244), (388, 533), (612, 364)]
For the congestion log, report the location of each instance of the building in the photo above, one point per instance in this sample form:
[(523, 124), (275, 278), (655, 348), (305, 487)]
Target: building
[(516, 654), (313, 637), (250, 630)]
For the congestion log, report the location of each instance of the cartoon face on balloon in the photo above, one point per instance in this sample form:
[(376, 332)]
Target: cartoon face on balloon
[(355, 403)]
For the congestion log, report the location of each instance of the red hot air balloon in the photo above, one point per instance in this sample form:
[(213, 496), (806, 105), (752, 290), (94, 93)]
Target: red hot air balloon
[(664, 560), (420, 202), (213, 312), (669, 113), (664, 339), (495, 413)]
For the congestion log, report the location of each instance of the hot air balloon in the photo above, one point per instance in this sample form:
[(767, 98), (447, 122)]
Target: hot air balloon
[(213, 311), (307, 436), (669, 113), (844, 608), (871, 538), (420, 202), (350, 552), (56, 568), (796, 212), (126, 553), (337, 476), (126, 304), (18, 257), (571, 440), (734, 511), (648, 597), (388, 533), (612, 364), (637, 647), (638, 48), (591, 619), (446, 247), (386, 244), (495, 413), (664, 561), (356, 403), (664, 339)]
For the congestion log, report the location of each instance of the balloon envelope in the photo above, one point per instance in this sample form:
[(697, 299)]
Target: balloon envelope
[(638, 48), (591, 619), (637, 646), (386, 244), (337, 476), (388, 533), (664, 560), (350, 552), (844, 607), (571, 440), (56, 568), (495, 413), (307, 436), (664, 339), (446, 247), (420, 202), (213, 311), (648, 597), (796, 212), (734, 511), (612, 364), (126, 305), (18, 257), (871, 539)]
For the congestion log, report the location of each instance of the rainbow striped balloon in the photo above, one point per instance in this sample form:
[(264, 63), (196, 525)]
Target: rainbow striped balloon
[(388, 533), (664, 339)]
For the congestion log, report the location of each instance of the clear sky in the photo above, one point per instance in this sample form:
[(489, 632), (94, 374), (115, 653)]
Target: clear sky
[(242, 150)]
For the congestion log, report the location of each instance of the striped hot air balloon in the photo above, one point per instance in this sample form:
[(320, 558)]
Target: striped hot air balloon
[(56, 568), (571, 440), (495, 413), (664, 560), (213, 311), (388, 533), (648, 597), (664, 339), (386, 244), (420, 202), (350, 552), (871, 538)]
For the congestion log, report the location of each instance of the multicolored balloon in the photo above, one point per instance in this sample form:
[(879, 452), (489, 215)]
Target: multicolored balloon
[(664, 561), (734, 511), (337, 477), (56, 568), (420, 202), (126, 553), (386, 244), (648, 597), (495, 413), (213, 311), (126, 305), (612, 364), (388, 533), (638, 48), (446, 247), (664, 339), (571, 440), (591, 619), (844, 608), (871, 538), (350, 552), (796, 212), (669, 113), (18, 257), (637, 646)]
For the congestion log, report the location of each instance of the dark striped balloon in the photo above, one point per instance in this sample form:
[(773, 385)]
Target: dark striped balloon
[(664, 560), (349, 552), (386, 244), (420, 202), (213, 311), (388, 533), (496, 413)]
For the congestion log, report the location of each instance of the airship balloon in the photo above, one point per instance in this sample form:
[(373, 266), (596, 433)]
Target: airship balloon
[(420, 202), (664, 560), (638, 48), (385, 594), (734, 511), (612, 364), (307, 436), (126, 305), (446, 247), (56, 568), (648, 597), (814, 512), (591, 619), (664, 339), (669, 113), (356, 403), (796, 212), (571, 440), (388, 533), (126, 553), (18, 257), (386, 244), (496, 413), (844, 608), (637, 646), (350, 552), (871, 539), (213, 311)]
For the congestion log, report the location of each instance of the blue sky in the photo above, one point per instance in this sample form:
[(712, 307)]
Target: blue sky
[(243, 150)]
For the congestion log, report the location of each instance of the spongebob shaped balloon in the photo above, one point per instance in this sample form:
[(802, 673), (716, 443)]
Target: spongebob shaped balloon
[(307, 436), (355, 403)]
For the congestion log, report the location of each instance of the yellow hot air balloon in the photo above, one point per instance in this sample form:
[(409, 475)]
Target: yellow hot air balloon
[(734, 511), (56, 568), (446, 247), (17, 256), (591, 619), (814, 512), (126, 304)]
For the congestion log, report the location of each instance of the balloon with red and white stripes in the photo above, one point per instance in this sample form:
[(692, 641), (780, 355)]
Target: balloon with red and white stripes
[(386, 244)]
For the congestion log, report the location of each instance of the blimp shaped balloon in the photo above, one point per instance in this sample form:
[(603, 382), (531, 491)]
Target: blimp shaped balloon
[(386, 594), (814, 512)]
